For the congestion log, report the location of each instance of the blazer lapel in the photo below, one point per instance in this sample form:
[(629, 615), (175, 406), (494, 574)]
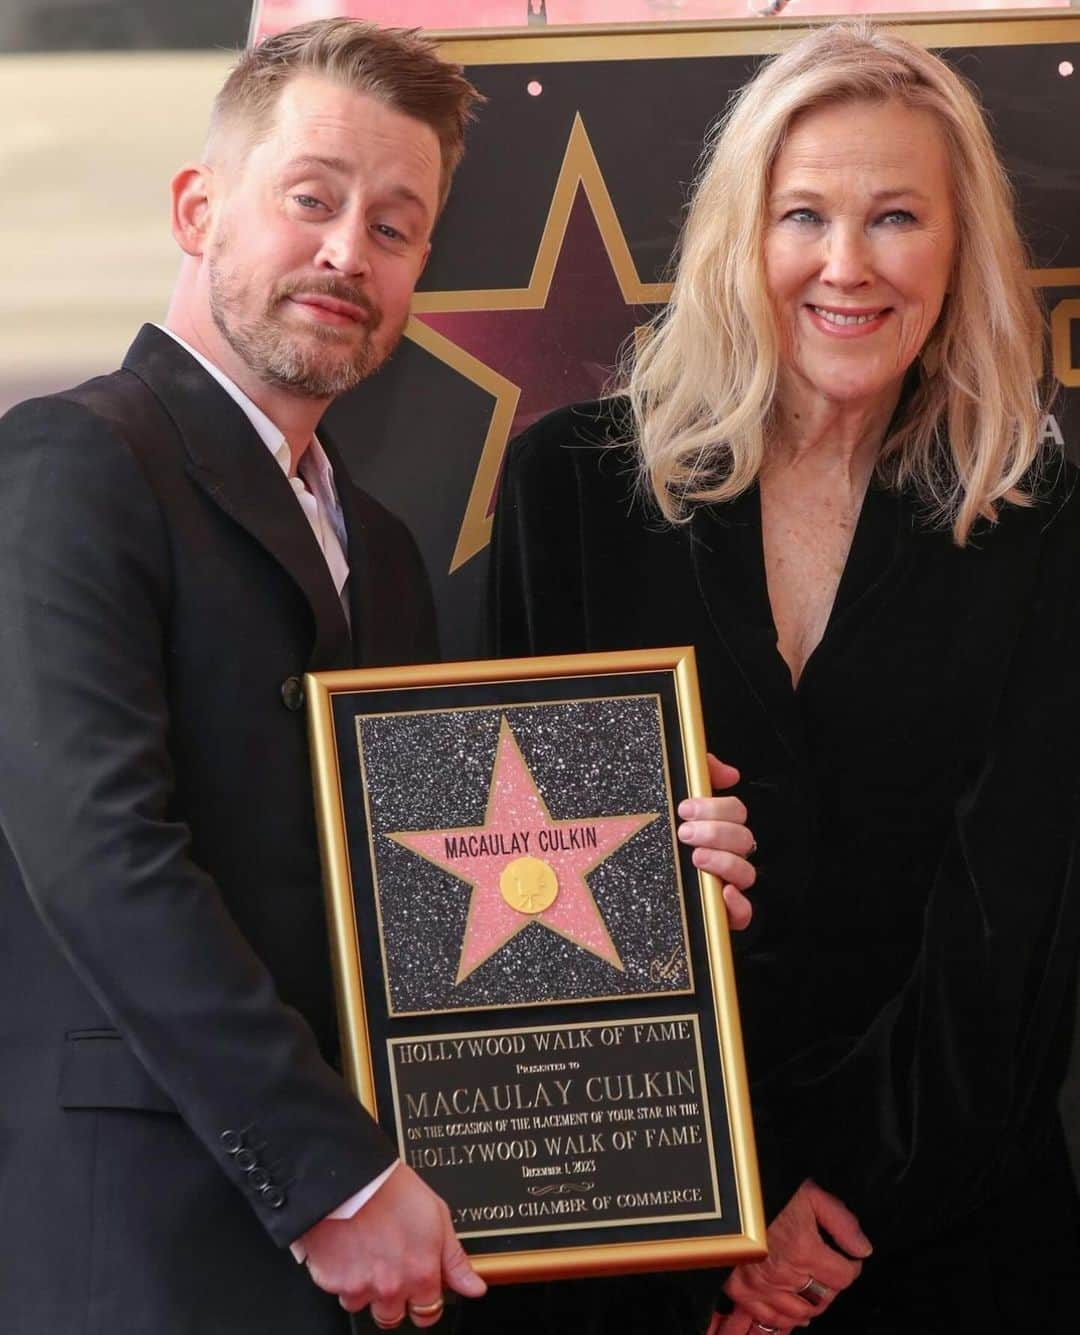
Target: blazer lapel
[(229, 461)]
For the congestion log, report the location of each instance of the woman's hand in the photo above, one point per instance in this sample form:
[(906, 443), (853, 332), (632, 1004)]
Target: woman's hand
[(768, 1292), (715, 827)]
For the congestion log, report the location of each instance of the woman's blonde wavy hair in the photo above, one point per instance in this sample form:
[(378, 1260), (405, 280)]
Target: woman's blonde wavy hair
[(703, 379)]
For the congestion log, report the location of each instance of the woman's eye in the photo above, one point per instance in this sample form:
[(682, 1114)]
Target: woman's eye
[(802, 216), (897, 217)]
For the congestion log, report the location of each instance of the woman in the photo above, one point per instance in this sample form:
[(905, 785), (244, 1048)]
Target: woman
[(826, 474)]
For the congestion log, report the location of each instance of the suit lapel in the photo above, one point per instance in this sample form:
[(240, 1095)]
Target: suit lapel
[(228, 460)]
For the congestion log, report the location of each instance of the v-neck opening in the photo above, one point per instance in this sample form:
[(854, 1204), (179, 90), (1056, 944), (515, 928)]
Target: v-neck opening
[(873, 556), (866, 549)]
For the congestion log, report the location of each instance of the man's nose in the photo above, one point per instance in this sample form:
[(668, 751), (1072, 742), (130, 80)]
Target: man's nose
[(847, 255), (347, 248)]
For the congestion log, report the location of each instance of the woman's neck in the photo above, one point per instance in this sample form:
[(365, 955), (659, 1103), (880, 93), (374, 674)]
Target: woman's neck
[(815, 435)]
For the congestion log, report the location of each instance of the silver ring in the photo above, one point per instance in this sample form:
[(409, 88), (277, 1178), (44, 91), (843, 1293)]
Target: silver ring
[(769, 1330), (812, 1292)]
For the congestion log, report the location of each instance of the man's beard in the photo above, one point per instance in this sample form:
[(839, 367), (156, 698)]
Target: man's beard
[(306, 361)]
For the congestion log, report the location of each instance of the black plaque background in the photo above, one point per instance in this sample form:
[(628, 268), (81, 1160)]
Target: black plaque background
[(426, 921), (346, 707)]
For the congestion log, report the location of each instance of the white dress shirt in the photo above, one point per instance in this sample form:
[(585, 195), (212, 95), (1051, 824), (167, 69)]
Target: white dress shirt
[(313, 487)]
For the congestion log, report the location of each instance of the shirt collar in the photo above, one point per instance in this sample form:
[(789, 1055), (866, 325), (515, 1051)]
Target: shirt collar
[(271, 436)]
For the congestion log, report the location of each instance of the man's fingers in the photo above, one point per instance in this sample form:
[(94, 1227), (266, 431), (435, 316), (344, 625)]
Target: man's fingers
[(458, 1273), (384, 1316), (837, 1220), (426, 1310), (722, 775)]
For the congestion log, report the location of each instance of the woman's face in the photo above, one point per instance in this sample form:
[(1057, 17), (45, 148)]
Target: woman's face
[(859, 246)]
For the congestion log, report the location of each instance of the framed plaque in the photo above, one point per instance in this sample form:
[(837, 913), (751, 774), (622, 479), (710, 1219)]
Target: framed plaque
[(534, 982)]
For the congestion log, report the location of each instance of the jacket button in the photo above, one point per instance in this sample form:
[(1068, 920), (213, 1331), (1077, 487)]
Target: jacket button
[(259, 1178), (274, 1197), (292, 693), (246, 1160), (232, 1141)]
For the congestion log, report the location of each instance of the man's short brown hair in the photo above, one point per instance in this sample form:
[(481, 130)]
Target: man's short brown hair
[(397, 67)]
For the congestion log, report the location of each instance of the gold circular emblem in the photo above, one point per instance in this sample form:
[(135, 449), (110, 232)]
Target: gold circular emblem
[(529, 885)]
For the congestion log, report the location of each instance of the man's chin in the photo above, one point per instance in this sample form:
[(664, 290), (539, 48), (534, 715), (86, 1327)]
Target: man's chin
[(320, 377)]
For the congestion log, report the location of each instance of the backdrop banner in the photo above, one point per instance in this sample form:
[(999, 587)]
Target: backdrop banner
[(556, 243)]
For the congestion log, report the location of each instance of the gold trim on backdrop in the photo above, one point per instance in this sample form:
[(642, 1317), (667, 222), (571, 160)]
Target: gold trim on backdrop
[(739, 37), (580, 168), (356, 1037), (1055, 277)]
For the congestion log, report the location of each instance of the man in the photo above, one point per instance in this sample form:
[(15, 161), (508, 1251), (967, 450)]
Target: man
[(162, 592), (177, 547)]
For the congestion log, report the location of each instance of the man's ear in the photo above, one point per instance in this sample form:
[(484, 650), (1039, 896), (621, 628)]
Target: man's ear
[(192, 191)]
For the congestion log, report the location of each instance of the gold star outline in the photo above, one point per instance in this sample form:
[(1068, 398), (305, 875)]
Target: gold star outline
[(579, 168), (506, 735)]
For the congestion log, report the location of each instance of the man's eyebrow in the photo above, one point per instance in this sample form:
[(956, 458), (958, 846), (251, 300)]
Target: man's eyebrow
[(309, 160), (341, 165)]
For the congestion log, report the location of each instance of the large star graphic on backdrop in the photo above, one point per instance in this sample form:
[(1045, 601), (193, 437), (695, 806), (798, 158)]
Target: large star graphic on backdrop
[(525, 867), (553, 342)]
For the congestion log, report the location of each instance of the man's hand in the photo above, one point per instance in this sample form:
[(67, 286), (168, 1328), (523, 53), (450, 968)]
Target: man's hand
[(767, 1291), (716, 829), (398, 1251)]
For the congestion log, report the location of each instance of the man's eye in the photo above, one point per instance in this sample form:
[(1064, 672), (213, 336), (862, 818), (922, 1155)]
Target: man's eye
[(308, 202), (391, 233)]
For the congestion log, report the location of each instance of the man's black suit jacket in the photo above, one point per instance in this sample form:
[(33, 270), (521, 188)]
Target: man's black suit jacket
[(169, 1112)]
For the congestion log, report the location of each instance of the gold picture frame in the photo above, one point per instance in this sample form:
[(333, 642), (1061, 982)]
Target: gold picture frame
[(498, 841)]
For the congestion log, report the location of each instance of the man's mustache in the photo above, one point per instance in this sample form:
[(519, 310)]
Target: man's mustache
[(336, 288)]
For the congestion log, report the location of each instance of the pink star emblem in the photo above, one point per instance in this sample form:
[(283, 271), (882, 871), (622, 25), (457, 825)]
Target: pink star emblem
[(525, 867)]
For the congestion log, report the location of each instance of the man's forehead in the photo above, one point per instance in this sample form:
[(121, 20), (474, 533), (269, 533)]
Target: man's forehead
[(316, 121)]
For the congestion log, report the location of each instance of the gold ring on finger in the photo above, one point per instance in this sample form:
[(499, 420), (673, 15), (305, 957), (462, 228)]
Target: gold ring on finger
[(388, 1324), (425, 1310)]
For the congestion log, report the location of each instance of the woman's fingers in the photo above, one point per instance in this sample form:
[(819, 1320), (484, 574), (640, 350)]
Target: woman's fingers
[(722, 775), (715, 828), (730, 809), (739, 909), (837, 1220), (721, 833)]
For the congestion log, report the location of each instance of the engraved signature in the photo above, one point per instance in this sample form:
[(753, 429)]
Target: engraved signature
[(664, 970), (561, 1188)]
